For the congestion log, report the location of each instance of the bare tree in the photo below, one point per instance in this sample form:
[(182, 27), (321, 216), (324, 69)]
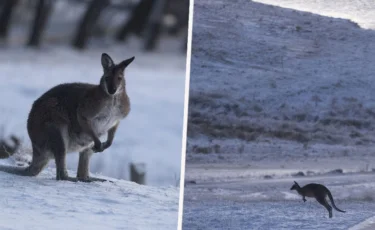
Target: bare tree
[(8, 7), (137, 20), (88, 21), (42, 13)]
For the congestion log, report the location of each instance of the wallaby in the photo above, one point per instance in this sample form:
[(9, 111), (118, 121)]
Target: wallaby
[(318, 191), (72, 117)]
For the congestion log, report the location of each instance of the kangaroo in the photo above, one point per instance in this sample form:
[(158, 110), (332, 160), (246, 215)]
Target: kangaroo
[(71, 117), (318, 191)]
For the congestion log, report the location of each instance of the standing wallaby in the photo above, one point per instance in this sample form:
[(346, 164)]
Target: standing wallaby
[(72, 117), (318, 191)]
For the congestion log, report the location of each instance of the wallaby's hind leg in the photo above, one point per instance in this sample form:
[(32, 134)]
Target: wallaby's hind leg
[(322, 200), (38, 162), (61, 172), (83, 167), (57, 146)]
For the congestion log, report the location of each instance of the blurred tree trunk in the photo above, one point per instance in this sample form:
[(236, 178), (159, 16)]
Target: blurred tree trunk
[(137, 20), (152, 30), (88, 22), (42, 13), (180, 10), (7, 7)]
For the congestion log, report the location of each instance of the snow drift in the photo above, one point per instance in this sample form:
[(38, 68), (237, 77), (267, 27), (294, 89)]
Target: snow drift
[(42, 202)]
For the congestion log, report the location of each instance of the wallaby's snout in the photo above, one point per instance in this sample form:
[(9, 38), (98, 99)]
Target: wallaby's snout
[(113, 79)]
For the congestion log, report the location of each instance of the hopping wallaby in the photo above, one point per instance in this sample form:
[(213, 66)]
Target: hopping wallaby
[(318, 191), (72, 117)]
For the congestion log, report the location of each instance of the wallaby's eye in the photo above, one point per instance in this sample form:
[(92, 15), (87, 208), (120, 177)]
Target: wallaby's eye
[(119, 78)]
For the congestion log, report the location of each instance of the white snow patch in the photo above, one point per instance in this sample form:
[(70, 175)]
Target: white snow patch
[(360, 11), (368, 224), (37, 202)]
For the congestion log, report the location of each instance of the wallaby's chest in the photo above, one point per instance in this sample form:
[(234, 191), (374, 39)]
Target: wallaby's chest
[(107, 114), (104, 120), (107, 118)]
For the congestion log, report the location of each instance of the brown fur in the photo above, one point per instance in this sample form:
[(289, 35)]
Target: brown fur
[(320, 192), (72, 117)]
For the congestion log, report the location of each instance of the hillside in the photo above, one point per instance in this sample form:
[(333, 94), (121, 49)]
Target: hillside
[(270, 74), (279, 95)]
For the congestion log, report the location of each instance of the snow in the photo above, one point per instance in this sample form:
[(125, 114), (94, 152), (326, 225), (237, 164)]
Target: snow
[(359, 11), (40, 202), (269, 203), (368, 224), (282, 215), (276, 91)]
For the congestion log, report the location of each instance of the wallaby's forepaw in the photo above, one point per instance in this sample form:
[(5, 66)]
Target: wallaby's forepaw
[(98, 148), (106, 144), (304, 200)]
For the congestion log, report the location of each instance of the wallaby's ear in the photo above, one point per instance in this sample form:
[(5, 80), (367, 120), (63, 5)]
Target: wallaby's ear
[(107, 61), (295, 182), (125, 63)]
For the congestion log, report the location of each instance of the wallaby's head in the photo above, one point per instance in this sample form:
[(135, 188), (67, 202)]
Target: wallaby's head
[(295, 186), (113, 79)]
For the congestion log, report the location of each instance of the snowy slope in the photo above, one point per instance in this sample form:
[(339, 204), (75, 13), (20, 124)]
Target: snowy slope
[(368, 224), (42, 202), (151, 133), (276, 93), (359, 11), (281, 74)]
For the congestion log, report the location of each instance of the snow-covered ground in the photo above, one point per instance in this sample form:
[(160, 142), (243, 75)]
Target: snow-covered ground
[(277, 93), (282, 215), (234, 197), (359, 11), (42, 202), (268, 203)]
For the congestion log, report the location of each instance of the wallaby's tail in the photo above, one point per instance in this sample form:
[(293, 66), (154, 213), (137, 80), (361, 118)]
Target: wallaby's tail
[(21, 171), (333, 203)]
